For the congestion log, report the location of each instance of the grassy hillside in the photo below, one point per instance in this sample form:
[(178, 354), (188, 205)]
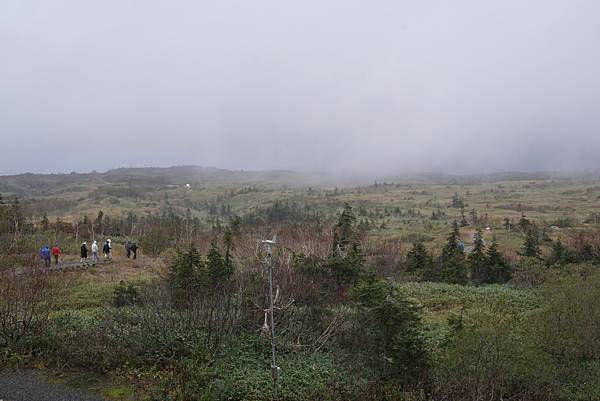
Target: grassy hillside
[(358, 316), (418, 206)]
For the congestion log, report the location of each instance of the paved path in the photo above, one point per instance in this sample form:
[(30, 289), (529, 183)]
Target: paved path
[(30, 386)]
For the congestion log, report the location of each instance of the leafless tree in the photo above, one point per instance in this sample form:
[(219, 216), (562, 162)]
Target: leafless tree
[(27, 297)]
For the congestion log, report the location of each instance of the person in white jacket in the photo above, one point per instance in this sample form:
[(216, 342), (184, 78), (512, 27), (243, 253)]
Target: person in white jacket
[(95, 252)]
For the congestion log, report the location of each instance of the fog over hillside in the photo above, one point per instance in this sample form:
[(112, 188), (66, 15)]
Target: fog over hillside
[(378, 88)]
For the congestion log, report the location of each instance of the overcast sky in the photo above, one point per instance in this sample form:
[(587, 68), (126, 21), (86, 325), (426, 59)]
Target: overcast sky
[(393, 86)]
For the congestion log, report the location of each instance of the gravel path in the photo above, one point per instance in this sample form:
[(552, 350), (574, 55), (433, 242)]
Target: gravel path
[(29, 386)]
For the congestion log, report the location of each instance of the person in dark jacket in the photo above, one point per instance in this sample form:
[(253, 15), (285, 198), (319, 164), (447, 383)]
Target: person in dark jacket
[(45, 255), (134, 249), (83, 253), (106, 250), (109, 248)]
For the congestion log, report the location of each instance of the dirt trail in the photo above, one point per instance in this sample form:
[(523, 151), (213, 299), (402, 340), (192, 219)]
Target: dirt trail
[(30, 386), (66, 266)]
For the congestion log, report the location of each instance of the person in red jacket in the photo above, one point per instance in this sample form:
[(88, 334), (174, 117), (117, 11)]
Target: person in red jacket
[(56, 253)]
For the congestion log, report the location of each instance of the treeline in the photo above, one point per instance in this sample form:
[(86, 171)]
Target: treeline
[(281, 212), (12, 220), (485, 264), (14, 228), (482, 264)]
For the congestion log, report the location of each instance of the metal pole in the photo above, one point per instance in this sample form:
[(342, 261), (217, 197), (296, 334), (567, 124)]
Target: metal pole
[(274, 367)]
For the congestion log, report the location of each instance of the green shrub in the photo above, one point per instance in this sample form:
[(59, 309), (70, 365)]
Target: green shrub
[(529, 272), (490, 356), (580, 380), (106, 338), (125, 294), (570, 316), (242, 373)]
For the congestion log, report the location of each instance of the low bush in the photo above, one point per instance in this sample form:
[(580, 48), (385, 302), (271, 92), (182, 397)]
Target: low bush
[(27, 298), (489, 356), (125, 294), (529, 272), (241, 373), (569, 320)]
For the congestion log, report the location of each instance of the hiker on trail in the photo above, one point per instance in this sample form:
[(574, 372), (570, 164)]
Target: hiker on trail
[(45, 255), (56, 253), (84, 252), (109, 248), (128, 249), (95, 252), (106, 250), (134, 249)]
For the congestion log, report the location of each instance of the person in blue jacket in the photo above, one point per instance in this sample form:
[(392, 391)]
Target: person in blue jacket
[(45, 255)]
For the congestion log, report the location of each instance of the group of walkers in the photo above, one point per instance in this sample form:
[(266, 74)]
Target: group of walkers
[(106, 250), (46, 253)]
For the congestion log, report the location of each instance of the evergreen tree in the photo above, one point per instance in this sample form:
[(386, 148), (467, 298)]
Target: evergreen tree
[(345, 226), (457, 202), (452, 261), (393, 331), (346, 267), (478, 262), (346, 261), (531, 246), (558, 253), (185, 276), (228, 265), (452, 242), (215, 263), (499, 267), (454, 270), (587, 253), (463, 219), (418, 258)]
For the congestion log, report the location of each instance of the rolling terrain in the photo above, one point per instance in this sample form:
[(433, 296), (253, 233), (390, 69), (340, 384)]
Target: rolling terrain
[(409, 208)]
